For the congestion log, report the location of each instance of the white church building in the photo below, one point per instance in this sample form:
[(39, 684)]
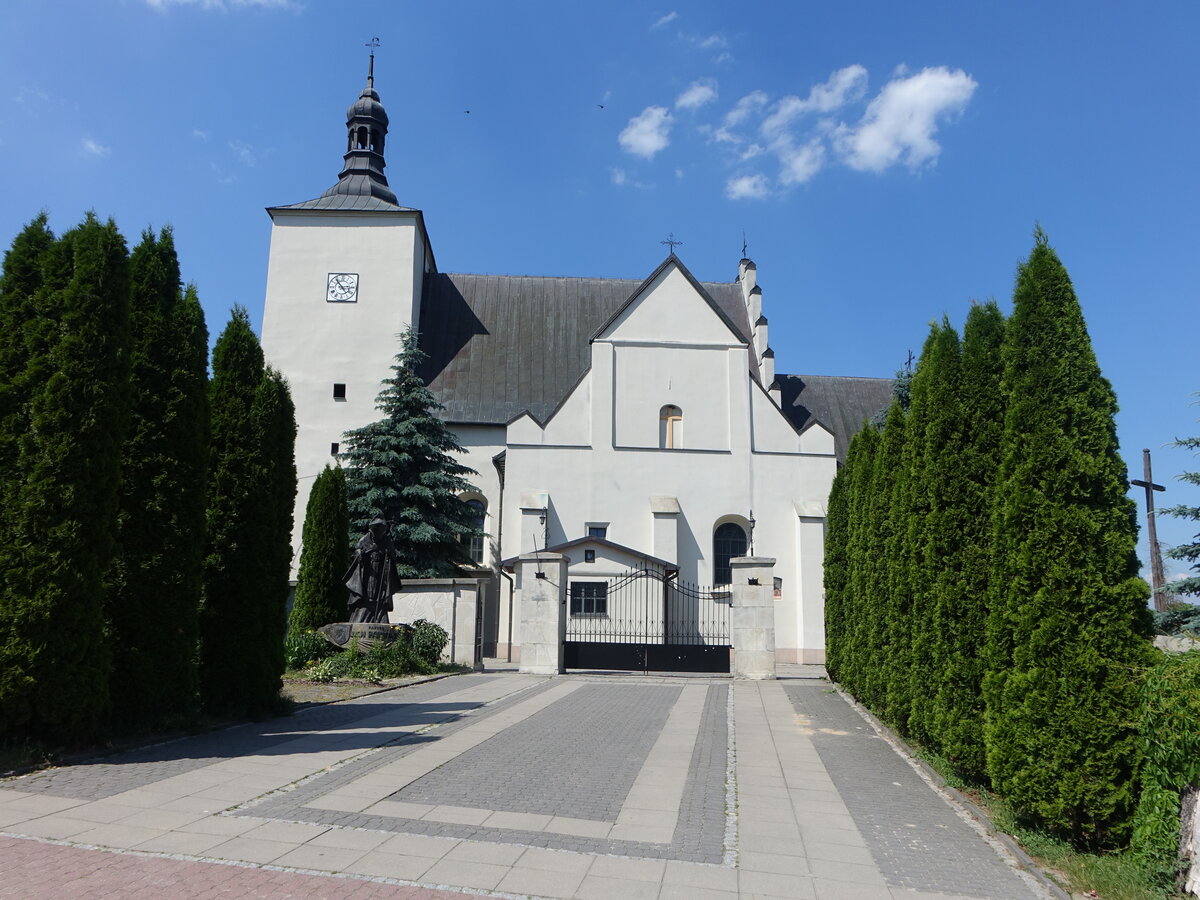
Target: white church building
[(622, 423)]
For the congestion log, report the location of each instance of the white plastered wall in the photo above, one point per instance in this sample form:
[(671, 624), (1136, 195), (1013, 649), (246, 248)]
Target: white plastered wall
[(604, 463), (316, 344)]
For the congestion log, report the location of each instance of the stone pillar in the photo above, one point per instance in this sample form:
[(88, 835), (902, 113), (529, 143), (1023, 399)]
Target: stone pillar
[(752, 618), (666, 527), (543, 580)]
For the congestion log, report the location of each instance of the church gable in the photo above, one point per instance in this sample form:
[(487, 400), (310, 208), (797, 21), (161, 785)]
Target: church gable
[(671, 307)]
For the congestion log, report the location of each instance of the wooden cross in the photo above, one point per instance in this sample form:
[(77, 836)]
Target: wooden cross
[(1156, 569), (671, 242)]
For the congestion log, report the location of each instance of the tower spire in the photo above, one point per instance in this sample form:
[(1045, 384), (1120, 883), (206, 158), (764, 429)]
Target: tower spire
[(373, 43), (366, 129)]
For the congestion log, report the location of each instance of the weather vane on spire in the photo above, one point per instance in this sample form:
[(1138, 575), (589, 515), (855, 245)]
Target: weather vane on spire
[(744, 243), (671, 242), (373, 43)]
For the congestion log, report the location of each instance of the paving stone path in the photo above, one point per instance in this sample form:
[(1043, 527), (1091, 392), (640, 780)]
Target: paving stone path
[(510, 785)]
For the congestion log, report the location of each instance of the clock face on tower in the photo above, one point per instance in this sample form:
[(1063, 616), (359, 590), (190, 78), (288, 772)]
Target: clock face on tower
[(342, 287)]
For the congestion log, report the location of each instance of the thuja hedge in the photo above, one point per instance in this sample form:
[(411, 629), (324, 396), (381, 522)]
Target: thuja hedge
[(1169, 713), (983, 597)]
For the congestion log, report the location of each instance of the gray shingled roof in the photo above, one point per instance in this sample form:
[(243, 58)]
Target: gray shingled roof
[(347, 201), (501, 345), (838, 402)]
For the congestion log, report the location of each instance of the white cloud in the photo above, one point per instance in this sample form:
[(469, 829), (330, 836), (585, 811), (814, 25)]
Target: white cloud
[(665, 20), (620, 178), (900, 124), (799, 164), (843, 86), (752, 151), (199, 134), (697, 94), (752, 102), (679, 174), (747, 187), (647, 133), (94, 148), (712, 42), (248, 154)]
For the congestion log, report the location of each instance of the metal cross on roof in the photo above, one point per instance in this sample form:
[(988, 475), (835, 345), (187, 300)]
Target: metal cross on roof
[(373, 44), (671, 242), (743, 245)]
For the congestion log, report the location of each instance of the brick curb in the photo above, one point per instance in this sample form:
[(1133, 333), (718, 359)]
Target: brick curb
[(958, 797)]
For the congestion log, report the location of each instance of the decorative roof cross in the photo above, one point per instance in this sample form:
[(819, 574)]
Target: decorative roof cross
[(373, 43), (671, 242)]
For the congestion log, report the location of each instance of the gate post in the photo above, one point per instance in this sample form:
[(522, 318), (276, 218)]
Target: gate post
[(543, 580), (752, 612)]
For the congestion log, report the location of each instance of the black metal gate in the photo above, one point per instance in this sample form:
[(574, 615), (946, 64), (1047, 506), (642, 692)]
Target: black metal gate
[(647, 621)]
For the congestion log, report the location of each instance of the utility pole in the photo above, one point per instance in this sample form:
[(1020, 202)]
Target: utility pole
[(1156, 567)]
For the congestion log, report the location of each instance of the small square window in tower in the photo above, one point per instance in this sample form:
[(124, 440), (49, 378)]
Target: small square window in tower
[(598, 531), (339, 392)]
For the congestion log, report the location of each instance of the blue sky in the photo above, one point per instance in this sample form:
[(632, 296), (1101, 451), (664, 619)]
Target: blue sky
[(887, 162)]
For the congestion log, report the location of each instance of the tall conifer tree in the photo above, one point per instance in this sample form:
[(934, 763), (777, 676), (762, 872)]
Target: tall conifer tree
[(154, 595), (274, 417), (855, 662), (937, 476), (240, 509), (1189, 552), (402, 468), (837, 570), (54, 662), (889, 644), (324, 555), (1068, 619), (960, 611)]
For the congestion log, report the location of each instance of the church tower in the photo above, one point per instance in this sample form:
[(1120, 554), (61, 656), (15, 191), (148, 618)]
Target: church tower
[(344, 278)]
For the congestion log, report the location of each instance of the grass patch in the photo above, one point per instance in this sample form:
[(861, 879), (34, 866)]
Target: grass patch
[(1112, 876)]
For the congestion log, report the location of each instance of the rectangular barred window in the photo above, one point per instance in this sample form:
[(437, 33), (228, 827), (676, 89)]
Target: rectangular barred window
[(589, 598)]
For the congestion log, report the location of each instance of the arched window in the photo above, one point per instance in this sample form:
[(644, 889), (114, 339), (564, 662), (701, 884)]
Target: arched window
[(362, 138), (670, 427), (479, 510), (729, 541)]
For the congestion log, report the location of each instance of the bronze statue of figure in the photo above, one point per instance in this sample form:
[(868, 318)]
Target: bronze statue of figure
[(372, 577)]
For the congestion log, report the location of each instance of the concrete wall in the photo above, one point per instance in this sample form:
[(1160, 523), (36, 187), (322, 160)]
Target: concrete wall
[(448, 602)]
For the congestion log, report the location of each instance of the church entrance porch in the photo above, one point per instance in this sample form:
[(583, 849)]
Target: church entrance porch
[(646, 621)]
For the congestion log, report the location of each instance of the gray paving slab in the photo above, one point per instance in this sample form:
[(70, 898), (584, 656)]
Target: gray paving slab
[(108, 775), (581, 754), (699, 835), (917, 840)]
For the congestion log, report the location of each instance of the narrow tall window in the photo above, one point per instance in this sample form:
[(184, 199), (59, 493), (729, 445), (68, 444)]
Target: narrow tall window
[(729, 542), (670, 427), (334, 447), (479, 510), (339, 392)]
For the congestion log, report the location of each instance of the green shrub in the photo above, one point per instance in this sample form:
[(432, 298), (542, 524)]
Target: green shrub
[(304, 648), (428, 641), (1170, 709), (382, 661)]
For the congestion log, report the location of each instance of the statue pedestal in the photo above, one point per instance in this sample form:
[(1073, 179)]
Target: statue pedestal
[(365, 635)]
